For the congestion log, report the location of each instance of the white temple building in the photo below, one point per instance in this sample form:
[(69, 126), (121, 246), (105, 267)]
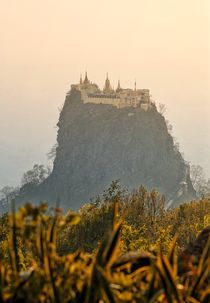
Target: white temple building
[(91, 93)]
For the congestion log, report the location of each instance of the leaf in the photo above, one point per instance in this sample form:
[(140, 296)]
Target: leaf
[(165, 285), (171, 277), (72, 218), (172, 255), (205, 298), (200, 278), (104, 284), (112, 245)]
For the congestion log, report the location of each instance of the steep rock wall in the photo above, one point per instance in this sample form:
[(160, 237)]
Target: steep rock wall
[(100, 143)]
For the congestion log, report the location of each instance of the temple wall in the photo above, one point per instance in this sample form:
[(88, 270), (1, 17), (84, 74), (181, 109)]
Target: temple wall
[(125, 99), (110, 101)]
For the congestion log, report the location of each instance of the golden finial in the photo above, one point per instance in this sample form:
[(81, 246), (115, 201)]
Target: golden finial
[(86, 81)]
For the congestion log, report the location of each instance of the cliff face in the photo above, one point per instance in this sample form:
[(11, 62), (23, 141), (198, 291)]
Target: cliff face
[(100, 143)]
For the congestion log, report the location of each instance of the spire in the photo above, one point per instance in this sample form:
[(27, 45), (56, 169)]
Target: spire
[(107, 87), (80, 79), (118, 86), (86, 81), (135, 85)]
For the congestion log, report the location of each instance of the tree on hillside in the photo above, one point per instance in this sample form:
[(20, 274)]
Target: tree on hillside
[(7, 193), (199, 182), (162, 108), (36, 175), (52, 153)]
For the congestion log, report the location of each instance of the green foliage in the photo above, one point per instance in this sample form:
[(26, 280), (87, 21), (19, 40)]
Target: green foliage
[(147, 225), (34, 268)]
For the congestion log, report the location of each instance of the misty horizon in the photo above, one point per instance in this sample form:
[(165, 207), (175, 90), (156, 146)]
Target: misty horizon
[(45, 47)]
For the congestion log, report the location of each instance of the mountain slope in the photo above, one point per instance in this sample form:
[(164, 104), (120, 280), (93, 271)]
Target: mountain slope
[(100, 143)]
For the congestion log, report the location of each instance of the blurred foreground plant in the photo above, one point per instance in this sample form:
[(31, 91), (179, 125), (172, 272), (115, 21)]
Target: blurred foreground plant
[(33, 271)]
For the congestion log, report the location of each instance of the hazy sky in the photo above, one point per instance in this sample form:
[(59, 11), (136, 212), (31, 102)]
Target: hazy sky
[(45, 44)]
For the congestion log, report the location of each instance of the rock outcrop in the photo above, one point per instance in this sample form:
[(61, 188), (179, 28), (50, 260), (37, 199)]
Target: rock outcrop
[(100, 143)]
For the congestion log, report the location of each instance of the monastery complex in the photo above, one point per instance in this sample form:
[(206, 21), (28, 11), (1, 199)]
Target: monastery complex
[(91, 93)]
